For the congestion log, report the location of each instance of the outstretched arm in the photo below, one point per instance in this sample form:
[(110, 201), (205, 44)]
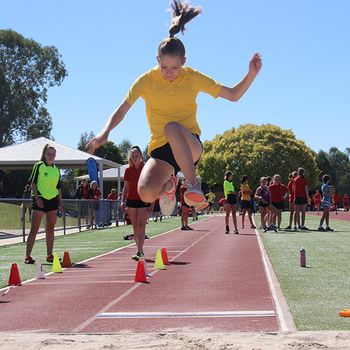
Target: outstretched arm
[(235, 93), (116, 117)]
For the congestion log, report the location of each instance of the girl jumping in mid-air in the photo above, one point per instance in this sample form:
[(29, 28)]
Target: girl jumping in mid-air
[(170, 91)]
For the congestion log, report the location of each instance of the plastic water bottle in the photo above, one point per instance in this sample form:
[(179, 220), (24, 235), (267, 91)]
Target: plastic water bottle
[(302, 257)]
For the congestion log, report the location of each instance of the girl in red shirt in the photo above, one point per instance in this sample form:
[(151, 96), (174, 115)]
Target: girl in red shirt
[(278, 193), (137, 209), (301, 190), (346, 202), (96, 196), (292, 215)]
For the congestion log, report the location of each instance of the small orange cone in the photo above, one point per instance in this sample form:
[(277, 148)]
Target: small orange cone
[(140, 275), (15, 279), (165, 256), (345, 313), (66, 259)]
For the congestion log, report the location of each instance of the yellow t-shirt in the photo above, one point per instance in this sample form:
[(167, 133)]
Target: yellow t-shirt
[(245, 190), (211, 197), (171, 101)]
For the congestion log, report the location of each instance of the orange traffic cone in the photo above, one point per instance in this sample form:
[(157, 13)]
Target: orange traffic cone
[(140, 275), (165, 256), (15, 279), (66, 260), (345, 313)]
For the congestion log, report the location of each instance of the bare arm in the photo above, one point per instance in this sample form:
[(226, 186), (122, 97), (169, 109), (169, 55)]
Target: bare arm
[(38, 200), (116, 117), (236, 92), (124, 195)]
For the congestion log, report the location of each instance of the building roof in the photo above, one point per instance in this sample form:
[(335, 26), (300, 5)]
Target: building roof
[(24, 154)]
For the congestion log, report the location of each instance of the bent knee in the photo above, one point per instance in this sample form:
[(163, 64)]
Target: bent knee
[(170, 128), (145, 194)]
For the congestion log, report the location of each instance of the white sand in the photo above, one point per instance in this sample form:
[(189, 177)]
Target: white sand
[(192, 340)]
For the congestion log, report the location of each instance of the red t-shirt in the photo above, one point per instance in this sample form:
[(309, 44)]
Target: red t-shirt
[(182, 192), (346, 200), (277, 192), (300, 183), (336, 198), (291, 192), (317, 198), (132, 175), (97, 193), (112, 196), (85, 193)]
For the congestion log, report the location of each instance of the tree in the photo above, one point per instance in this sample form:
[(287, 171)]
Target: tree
[(109, 150), (27, 70), (124, 148), (256, 151)]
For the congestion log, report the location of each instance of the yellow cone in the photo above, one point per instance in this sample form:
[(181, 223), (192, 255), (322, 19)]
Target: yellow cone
[(56, 265), (159, 264)]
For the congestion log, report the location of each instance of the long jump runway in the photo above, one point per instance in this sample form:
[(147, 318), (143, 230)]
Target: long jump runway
[(215, 282)]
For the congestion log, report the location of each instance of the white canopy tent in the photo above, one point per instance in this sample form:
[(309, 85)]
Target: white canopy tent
[(24, 155)]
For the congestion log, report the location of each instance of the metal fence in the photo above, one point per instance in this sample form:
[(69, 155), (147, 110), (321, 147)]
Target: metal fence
[(76, 214)]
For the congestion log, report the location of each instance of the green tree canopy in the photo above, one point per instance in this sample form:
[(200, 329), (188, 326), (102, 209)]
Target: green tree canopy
[(256, 151), (124, 148), (108, 151), (27, 70)]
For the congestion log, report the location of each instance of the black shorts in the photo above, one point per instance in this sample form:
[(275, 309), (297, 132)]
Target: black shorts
[(246, 205), (300, 201), (210, 205), (263, 205), (278, 205), (165, 153), (184, 204), (134, 203), (232, 199), (49, 204)]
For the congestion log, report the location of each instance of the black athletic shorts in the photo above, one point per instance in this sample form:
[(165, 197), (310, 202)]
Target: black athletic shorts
[(278, 205), (231, 199), (300, 201), (246, 205), (165, 153), (134, 203), (210, 205), (49, 204)]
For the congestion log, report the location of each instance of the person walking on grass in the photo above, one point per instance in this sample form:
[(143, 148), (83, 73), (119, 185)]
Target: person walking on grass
[(170, 91), (301, 190), (326, 203), (262, 195), (291, 199), (231, 196), (246, 201), (278, 193), (346, 202), (47, 200), (138, 210)]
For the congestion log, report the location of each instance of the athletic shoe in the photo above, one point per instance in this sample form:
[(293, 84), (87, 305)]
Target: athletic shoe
[(227, 230), (138, 256), (184, 228), (288, 227), (329, 229), (29, 260), (295, 228), (299, 227), (146, 237), (194, 195), (167, 201), (236, 232), (304, 228), (49, 259), (321, 229), (128, 237), (253, 227), (189, 228)]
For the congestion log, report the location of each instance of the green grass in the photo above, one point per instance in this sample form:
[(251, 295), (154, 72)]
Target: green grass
[(81, 246), (317, 293)]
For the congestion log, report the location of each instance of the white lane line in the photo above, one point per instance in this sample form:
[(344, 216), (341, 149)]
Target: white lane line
[(283, 314), (212, 314), (81, 282), (137, 285)]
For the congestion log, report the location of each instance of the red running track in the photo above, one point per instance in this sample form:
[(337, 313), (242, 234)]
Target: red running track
[(215, 281)]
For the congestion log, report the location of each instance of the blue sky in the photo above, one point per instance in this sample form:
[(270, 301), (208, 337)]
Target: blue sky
[(107, 44)]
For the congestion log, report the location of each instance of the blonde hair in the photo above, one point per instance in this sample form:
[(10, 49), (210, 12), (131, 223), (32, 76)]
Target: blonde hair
[(133, 148)]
